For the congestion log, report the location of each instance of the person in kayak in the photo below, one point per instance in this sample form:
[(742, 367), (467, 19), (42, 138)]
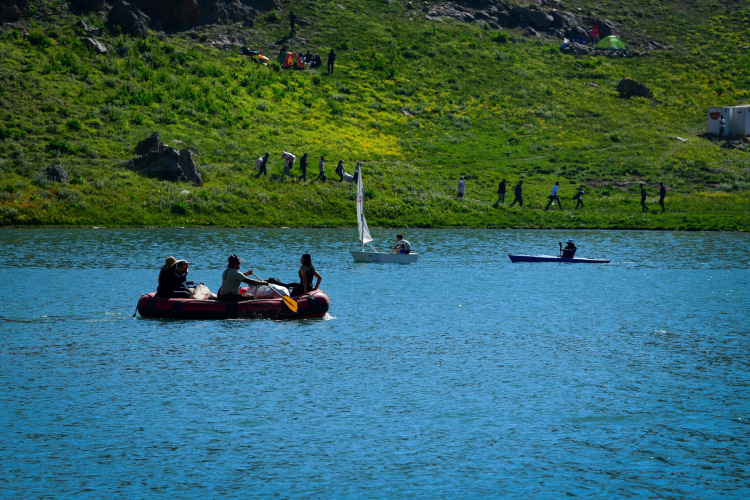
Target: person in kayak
[(232, 279), (402, 246), (172, 281), (570, 250)]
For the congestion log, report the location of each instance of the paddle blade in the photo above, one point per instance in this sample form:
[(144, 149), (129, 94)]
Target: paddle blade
[(290, 303)]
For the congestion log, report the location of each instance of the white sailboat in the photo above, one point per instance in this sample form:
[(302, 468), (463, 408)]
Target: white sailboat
[(366, 239)]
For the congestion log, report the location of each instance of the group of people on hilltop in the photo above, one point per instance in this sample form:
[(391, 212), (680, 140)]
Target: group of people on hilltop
[(554, 195), (261, 164), (173, 280)]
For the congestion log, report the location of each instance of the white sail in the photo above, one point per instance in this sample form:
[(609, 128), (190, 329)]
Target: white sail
[(364, 231)]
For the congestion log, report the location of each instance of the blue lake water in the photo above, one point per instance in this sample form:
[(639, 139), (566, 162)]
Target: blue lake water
[(463, 376)]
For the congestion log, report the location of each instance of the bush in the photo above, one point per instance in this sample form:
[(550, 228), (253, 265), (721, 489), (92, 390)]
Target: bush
[(501, 37), (179, 208), (38, 38), (74, 125), (273, 17), (262, 106), (56, 145)]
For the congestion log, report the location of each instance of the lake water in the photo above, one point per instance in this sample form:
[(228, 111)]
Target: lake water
[(462, 376)]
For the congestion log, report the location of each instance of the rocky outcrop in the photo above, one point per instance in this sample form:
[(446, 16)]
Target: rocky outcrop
[(94, 45), (165, 162), (631, 88), (57, 173), (733, 145), (537, 18), (562, 19), (171, 14), (11, 10), (95, 5), (128, 18), (90, 31), (232, 11)]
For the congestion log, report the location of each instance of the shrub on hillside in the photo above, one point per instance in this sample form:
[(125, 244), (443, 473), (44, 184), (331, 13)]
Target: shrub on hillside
[(38, 38)]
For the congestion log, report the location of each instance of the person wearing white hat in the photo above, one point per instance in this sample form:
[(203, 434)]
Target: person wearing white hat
[(570, 250)]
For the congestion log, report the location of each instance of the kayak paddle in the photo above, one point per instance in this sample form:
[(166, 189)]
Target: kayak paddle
[(290, 302)]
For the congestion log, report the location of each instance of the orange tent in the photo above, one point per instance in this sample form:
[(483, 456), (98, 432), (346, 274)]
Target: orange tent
[(290, 60)]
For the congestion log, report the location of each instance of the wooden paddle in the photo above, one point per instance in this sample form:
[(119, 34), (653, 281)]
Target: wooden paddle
[(290, 302)]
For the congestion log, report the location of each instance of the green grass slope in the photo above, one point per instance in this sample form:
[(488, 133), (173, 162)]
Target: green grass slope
[(420, 102)]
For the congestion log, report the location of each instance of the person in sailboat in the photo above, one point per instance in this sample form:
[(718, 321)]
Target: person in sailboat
[(402, 246)]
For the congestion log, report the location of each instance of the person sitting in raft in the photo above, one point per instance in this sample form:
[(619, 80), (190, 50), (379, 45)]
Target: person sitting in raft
[(232, 279), (570, 250), (402, 246), (172, 282), (306, 273)]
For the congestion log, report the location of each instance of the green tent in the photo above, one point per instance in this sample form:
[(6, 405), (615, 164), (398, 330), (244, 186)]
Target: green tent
[(611, 43)]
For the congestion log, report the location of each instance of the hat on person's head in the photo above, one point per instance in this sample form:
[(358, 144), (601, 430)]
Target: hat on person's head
[(571, 241), (171, 261), (462, 177), (181, 263), (234, 259)]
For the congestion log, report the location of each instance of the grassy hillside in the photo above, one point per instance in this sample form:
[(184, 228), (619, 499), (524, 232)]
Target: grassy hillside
[(421, 102)]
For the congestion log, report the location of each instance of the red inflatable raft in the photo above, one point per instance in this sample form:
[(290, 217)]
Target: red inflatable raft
[(312, 305)]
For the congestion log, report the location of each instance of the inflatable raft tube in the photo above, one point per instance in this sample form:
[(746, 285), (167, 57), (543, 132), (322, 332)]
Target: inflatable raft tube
[(312, 305)]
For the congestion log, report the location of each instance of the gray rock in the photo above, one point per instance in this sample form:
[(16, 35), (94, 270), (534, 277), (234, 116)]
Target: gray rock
[(190, 168), (733, 145), (630, 88), (128, 18), (531, 32), (96, 5), (171, 14), (150, 145), (11, 10), (94, 45), (537, 18), (90, 31), (563, 19), (57, 174)]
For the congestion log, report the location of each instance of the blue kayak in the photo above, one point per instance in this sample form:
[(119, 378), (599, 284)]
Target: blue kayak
[(552, 258)]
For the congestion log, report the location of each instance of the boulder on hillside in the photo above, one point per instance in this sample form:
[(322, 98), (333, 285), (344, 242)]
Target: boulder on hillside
[(537, 18), (128, 18), (150, 144), (606, 27), (90, 31), (96, 5), (11, 10), (630, 88), (165, 162), (562, 19), (232, 11), (94, 45), (171, 14), (57, 174)]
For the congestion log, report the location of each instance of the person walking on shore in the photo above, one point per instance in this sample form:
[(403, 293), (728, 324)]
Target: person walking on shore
[(331, 61), (321, 169), (579, 198), (303, 167), (662, 195), (553, 196), (288, 161), (461, 188), (644, 208), (292, 21), (500, 193), (261, 165), (518, 191), (340, 170)]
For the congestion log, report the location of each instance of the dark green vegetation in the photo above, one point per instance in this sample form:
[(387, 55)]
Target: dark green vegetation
[(420, 102)]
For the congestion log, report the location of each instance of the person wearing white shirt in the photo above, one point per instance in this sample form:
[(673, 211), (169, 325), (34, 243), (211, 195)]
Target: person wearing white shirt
[(722, 126), (553, 196), (402, 246)]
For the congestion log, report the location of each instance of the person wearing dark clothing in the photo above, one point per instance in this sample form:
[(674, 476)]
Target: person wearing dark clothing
[(172, 280), (644, 208), (331, 60), (306, 274), (292, 21), (500, 193), (579, 198), (340, 170), (261, 164), (554, 196), (309, 57), (321, 169), (570, 250), (303, 167), (518, 191), (662, 195), (356, 171), (317, 61)]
